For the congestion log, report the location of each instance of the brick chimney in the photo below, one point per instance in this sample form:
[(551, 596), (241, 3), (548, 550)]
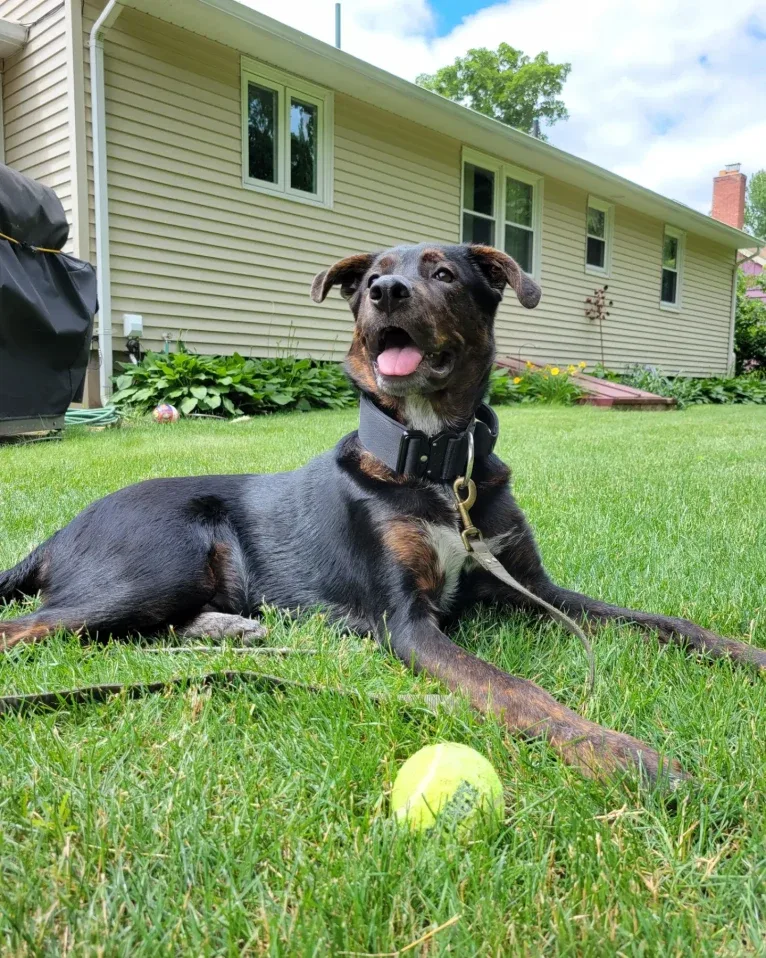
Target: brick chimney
[(729, 196)]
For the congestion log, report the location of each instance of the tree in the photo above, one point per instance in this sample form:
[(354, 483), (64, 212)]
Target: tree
[(755, 205), (749, 328), (504, 84)]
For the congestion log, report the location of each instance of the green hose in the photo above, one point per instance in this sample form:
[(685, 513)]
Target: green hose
[(107, 416)]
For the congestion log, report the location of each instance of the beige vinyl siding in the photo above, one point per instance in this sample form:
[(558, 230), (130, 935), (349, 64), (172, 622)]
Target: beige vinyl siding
[(35, 101), (228, 268), (693, 340)]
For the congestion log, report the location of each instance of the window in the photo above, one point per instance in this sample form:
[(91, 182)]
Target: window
[(598, 236), (478, 205), (519, 232), (502, 206), (286, 135), (672, 264)]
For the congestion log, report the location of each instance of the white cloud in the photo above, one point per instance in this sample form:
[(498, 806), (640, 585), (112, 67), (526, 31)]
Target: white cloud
[(663, 93)]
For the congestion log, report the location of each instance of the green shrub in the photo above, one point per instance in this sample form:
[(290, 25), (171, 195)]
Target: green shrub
[(687, 391), (549, 384), (750, 326), (231, 385), (651, 380)]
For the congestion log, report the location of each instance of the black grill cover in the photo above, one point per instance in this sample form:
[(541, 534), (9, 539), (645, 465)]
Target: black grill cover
[(47, 304)]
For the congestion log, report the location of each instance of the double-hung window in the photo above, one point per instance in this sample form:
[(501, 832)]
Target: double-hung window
[(599, 227), (287, 127), (672, 268), (502, 207)]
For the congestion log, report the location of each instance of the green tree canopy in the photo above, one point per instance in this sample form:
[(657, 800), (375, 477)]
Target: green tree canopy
[(755, 205), (505, 84)]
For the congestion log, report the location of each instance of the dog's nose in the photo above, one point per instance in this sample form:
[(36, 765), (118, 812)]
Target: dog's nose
[(388, 292)]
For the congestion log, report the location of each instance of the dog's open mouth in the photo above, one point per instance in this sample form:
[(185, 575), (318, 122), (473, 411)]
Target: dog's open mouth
[(399, 355)]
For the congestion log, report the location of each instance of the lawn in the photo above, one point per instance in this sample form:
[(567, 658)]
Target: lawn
[(233, 822)]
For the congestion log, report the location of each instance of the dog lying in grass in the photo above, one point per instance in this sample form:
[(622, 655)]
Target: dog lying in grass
[(371, 530)]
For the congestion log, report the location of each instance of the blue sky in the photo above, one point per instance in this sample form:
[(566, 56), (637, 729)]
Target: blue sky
[(450, 13), (665, 92)]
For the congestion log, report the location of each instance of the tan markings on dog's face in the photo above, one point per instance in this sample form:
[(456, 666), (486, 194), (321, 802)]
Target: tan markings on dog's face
[(432, 255), (385, 264)]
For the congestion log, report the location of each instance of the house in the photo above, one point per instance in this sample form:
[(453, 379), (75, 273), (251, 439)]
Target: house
[(212, 160), (753, 268), (729, 189)]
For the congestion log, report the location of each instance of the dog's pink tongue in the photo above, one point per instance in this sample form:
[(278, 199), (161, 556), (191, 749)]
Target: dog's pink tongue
[(399, 360)]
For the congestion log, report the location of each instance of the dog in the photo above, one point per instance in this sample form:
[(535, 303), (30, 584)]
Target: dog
[(371, 530)]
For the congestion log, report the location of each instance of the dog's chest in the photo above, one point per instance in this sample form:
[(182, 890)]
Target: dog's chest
[(450, 556)]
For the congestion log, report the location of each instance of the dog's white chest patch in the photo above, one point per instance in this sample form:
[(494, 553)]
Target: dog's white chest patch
[(419, 414), (451, 555)]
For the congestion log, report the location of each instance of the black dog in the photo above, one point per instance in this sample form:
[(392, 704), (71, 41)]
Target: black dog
[(370, 530)]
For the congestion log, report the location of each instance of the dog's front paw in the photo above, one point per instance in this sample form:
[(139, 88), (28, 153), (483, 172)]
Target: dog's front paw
[(223, 625), (253, 633)]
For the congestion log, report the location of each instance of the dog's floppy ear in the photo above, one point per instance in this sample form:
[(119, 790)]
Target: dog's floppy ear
[(348, 272), (499, 269)]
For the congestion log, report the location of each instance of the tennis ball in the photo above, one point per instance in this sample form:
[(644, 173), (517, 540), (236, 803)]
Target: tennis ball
[(448, 781)]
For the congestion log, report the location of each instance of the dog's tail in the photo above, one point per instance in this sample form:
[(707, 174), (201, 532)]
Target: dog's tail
[(25, 578)]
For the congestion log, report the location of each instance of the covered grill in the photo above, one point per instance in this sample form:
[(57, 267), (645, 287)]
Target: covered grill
[(47, 305)]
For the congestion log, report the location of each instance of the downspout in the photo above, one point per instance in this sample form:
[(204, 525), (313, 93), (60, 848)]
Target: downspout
[(733, 320), (103, 277), (78, 162), (2, 121)]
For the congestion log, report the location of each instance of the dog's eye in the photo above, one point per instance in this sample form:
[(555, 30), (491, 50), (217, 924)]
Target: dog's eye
[(443, 275), (372, 279)]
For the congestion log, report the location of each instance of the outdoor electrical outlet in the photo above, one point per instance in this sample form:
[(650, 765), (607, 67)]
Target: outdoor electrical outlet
[(133, 324)]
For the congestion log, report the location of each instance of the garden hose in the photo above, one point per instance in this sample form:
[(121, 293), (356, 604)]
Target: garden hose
[(107, 416)]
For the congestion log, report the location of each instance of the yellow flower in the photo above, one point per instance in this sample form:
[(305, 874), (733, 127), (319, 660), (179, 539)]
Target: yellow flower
[(571, 370), (555, 371), (516, 380), (528, 364), (582, 365)]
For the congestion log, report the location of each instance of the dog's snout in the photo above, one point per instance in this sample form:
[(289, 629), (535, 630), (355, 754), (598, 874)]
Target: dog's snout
[(388, 292)]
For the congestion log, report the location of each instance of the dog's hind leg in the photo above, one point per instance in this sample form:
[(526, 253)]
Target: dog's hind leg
[(221, 625), (35, 627), (669, 629), (525, 708)]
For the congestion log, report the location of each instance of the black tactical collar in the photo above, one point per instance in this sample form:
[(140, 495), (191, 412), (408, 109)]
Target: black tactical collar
[(409, 452)]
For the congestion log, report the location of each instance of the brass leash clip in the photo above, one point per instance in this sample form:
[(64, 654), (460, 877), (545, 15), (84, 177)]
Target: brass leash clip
[(465, 483), (463, 506)]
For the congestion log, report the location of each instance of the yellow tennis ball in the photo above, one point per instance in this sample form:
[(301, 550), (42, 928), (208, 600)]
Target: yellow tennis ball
[(448, 781)]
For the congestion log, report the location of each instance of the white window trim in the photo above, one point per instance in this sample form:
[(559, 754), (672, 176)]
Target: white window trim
[(287, 86), (679, 235), (501, 171), (608, 208)]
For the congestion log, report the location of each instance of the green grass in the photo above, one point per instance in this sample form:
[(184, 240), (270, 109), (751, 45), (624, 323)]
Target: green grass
[(236, 822)]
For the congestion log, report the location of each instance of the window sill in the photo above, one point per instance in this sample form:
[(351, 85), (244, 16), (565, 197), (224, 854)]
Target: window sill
[(670, 307), (597, 271), (292, 197)]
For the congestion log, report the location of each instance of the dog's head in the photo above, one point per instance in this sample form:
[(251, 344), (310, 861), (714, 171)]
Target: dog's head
[(424, 320)]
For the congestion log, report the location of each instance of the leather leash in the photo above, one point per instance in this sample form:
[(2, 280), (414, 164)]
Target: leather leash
[(259, 681), (474, 543)]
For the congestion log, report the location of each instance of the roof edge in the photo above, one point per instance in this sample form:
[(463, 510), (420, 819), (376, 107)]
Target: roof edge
[(180, 12)]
